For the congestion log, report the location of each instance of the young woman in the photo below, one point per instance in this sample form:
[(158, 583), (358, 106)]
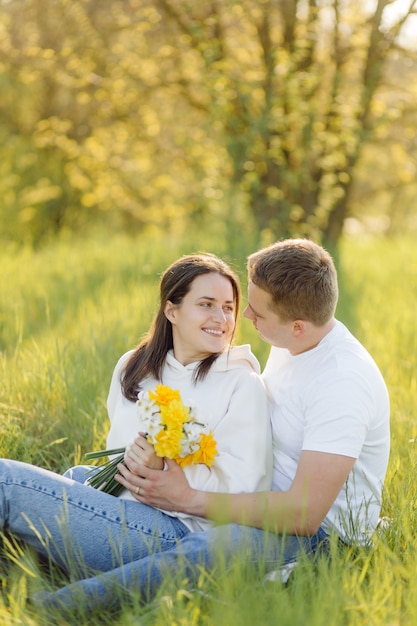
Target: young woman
[(188, 348)]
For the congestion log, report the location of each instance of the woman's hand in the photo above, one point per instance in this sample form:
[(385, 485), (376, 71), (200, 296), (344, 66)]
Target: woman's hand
[(167, 490), (139, 453)]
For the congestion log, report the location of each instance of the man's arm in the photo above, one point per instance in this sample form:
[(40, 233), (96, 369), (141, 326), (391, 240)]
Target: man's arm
[(319, 478)]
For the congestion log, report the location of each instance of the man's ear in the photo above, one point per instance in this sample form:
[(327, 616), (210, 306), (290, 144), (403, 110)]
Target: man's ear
[(298, 328), (169, 311)]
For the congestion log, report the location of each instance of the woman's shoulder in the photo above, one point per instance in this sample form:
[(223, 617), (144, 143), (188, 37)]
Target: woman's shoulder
[(240, 358), (123, 359)]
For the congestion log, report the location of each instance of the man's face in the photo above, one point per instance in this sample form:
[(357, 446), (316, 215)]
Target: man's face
[(268, 324)]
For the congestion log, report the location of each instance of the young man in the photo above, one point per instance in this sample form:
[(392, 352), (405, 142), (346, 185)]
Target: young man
[(330, 423)]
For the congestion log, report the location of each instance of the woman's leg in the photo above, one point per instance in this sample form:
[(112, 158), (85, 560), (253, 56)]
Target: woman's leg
[(80, 473), (78, 527), (218, 545)]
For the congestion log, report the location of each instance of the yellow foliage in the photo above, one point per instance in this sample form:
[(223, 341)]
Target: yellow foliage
[(42, 192)]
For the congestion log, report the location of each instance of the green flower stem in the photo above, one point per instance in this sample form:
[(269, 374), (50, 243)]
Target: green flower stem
[(103, 479), (101, 453)]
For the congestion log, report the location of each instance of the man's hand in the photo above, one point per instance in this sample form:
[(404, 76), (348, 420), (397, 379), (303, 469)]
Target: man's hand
[(300, 510), (139, 453), (167, 490)]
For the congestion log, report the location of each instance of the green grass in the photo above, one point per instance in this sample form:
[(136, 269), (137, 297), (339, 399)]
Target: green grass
[(69, 311)]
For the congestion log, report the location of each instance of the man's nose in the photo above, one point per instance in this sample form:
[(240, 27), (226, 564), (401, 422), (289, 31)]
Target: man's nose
[(248, 313)]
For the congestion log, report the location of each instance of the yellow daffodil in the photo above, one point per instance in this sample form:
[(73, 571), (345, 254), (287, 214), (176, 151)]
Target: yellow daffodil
[(163, 395), (168, 443), (172, 427), (174, 414)]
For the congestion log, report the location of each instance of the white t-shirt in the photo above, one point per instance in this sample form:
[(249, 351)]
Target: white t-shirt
[(332, 399), (232, 401)]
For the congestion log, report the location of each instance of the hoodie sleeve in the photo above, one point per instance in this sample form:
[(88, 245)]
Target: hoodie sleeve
[(115, 389), (244, 444)]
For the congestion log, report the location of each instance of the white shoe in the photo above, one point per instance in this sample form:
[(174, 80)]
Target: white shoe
[(282, 574)]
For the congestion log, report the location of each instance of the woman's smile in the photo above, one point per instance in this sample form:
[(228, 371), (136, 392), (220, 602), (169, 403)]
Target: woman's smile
[(212, 331), (204, 322)]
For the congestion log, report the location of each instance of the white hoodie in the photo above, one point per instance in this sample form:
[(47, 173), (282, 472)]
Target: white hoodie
[(232, 401)]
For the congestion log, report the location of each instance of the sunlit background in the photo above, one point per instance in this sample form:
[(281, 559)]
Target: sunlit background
[(243, 118)]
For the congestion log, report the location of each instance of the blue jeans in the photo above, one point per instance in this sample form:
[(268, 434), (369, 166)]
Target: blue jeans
[(116, 547), (143, 577), (205, 549), (81, 529)]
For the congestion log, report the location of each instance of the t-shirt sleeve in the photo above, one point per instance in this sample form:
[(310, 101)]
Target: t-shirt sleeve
[(338, 415)]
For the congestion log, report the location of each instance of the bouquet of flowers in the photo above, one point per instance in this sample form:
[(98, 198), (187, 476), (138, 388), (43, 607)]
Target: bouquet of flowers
[(171, 426)]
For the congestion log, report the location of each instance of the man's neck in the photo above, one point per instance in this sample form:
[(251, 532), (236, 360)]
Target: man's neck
[(312, 337)]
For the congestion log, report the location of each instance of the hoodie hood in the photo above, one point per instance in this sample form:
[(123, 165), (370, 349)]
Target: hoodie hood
[(236, 357)]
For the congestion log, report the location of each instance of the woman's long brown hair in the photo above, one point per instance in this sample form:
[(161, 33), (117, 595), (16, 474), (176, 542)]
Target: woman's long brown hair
[(149, 356)]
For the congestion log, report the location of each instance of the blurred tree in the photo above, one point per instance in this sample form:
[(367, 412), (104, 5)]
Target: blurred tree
[(385, 190), (292, 89), (249, 114), (81, 121)]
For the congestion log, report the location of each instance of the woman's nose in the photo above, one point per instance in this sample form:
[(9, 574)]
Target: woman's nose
[(219, 314)]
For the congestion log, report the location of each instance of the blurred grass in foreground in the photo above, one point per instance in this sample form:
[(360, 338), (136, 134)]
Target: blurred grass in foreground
[(69, 311)]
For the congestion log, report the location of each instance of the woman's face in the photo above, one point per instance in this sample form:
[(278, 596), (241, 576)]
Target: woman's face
[(204, 322)]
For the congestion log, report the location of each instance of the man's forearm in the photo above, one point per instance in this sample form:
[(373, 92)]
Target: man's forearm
[(275, 511)]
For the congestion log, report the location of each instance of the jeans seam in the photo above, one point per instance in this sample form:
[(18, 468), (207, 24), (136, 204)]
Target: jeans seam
[(63, 498)]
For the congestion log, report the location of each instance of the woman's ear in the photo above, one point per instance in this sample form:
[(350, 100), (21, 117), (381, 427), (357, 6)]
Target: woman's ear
[(169, 311)]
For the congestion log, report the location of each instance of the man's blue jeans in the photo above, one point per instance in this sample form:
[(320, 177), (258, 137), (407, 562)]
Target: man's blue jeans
[(143, 578), (111, 546)]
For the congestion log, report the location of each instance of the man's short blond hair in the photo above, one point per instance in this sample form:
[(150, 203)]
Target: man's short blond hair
[(301, 278)]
